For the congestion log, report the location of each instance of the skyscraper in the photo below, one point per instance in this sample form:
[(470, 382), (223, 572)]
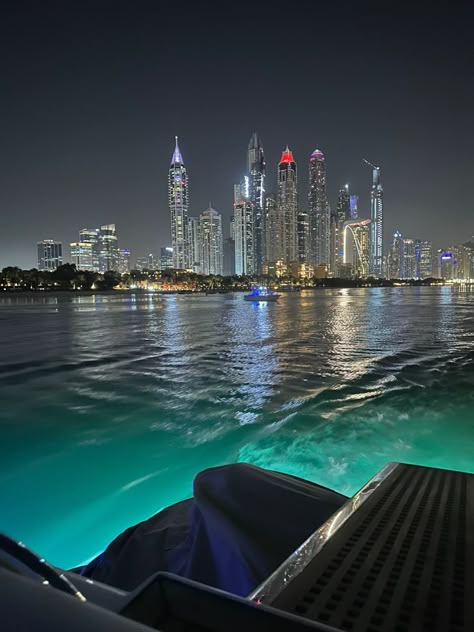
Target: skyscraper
[(82, 255), (303, 237), (318, 210), (108, 248), (396, 255), (424, 259), (355, 248), (376, 216), (210, 242), (243, 230), (274, 230), (50, 255), (354, 201), (256, 194), (287, 200), (178, 195), (343, 214), (408, 267), (193, 243), (166, 258), (91, 236)]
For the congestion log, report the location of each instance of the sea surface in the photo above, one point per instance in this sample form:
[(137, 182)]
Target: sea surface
[(110, 404)]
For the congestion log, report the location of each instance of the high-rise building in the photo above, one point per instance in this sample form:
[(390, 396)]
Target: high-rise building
[(243, 230), (178, 195), (303, 237), (210, 242), (108, 248), (256, 193), (274, 231), (336, 237), (395, 265), (355, 248), (166, 258), (123, 263), (193, 242), (318, 210), (376, 216), (343, 214), (91, 236), (408, 266), (50, 255), (82, 255), (354, 201), (424, 259), (446, 264), (229, 257), (287, 200)]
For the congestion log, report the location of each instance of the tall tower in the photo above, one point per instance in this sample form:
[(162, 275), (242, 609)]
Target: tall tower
[(210, 241), (376, 227), (178, 195), (288, 205), (256, 195), (318, 210), (343, 214)]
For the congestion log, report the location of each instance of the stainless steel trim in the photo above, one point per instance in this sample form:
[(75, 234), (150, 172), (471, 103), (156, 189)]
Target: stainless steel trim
[(298, 560)]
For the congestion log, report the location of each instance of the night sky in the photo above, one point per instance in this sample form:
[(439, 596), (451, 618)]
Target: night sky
[(92, 94)]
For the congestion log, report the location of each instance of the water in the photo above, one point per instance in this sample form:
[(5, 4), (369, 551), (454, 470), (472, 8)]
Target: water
[(109, 404)]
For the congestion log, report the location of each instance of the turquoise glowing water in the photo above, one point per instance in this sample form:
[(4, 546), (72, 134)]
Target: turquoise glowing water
[(109, 405)]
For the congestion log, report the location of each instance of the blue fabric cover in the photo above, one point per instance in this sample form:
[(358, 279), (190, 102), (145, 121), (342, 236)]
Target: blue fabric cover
[(241, 524)]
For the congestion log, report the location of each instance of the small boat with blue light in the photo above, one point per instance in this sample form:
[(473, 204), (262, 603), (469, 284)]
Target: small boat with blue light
[(262, 294)]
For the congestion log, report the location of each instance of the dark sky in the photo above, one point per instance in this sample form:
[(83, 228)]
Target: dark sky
[(93, 92)]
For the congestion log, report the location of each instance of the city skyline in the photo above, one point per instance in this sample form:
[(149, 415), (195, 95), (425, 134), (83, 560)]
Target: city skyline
[(87, 130)]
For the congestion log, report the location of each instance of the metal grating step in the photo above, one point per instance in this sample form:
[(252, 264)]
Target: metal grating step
[(403, 562)]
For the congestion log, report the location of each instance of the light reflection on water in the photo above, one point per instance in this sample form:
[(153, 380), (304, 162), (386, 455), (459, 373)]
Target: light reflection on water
[(111, 403)]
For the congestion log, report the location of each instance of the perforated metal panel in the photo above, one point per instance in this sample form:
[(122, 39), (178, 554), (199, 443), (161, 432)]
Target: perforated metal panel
[(404, 561)]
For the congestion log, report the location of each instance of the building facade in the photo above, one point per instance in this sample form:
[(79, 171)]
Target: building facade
[(318, 210), (274, 231), (256, 195), (108, 248), (50, 255), (243, 232), (287, 201), (395, 265), (355, 248), (166, 258), (376, 216), (82, 255), (424, 259), (193, 244), (178, 197), (211, 255)]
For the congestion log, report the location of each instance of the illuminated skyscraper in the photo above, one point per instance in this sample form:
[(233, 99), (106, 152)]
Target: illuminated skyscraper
[(287, 201), (354, 201), (256, 194), (376, 216), (193, 244), (81, 255), (424, 259), (108, 248), (355, 247), (166, 258), (50, 255), (395, 257), (318, 210), (303, 237), (274, 230), (343, 214), (408, 267), (91, 236), (211, 242), (178, 195), (243, 231)]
